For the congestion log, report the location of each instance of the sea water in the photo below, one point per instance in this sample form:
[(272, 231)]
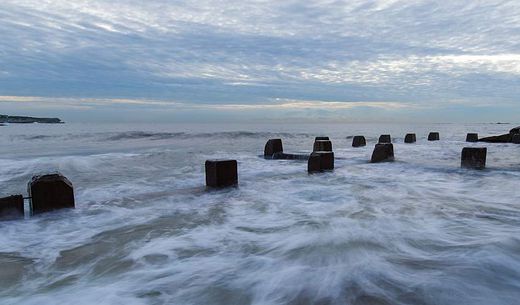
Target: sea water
[(420, 230)]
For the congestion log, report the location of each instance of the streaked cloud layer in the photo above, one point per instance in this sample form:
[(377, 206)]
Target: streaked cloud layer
[(387, 57)]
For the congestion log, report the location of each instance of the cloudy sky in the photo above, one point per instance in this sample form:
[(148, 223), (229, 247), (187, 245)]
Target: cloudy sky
[(205, 60)]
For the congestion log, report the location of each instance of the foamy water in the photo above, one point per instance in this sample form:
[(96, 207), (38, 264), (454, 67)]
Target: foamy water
[(420, 230)]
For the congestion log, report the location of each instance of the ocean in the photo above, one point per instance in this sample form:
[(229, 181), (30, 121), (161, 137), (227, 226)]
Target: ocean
[(420, 230)]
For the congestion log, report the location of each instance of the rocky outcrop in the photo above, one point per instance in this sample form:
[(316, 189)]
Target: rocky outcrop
[(28, 120), (515, 139), (505, 138)]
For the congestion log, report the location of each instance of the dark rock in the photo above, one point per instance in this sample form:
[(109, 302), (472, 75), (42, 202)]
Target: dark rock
[(474, 157), (320, 161), (516, 138), (28, 119), (322, 145), (433, 136), (221, 173), (50, 192), (515, 130), (321, 139), (11, 207), (273, 146), (410, 138), (505, 138), (472, 137), (386, 138), (359, 141), (383, 152)]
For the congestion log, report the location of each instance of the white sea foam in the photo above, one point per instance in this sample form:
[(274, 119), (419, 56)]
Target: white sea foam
[(145, 231)]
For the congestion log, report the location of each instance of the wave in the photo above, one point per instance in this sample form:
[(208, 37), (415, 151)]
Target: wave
[(144, 135), (133, 135)]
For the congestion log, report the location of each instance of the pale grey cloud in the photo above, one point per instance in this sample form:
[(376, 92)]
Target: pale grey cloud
[(253, 52)]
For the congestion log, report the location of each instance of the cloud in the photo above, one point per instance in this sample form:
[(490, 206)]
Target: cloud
[(229, 53), (272, 105)]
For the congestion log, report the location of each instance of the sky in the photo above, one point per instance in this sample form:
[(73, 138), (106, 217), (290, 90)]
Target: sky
[(261, 61)]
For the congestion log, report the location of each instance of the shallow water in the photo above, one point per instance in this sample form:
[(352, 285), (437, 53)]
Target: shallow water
[(420, 230)]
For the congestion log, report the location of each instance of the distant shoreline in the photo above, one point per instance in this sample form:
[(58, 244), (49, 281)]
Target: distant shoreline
[(27, 120)]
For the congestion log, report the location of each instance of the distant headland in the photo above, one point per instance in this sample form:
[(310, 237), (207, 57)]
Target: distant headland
[(27, 120)]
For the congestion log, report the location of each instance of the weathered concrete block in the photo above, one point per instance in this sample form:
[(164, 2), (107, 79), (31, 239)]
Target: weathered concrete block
[(383, 152), (322, 145), (385, 138), (410, 138), (474, 157), (221, 173), (321, 139), (505, 138), (472, 137), (320, 161), (433, 136), (515, 138), (11, 207), (272, 147), (359, 141), (50, 192)]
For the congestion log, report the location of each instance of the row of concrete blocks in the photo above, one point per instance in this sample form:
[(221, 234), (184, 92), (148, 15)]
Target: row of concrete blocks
[(54, 191), (46, 193), (383, 151), (224, 173), (358, 141)]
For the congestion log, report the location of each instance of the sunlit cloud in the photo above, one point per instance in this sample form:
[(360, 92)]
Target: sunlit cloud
[(271, 105)]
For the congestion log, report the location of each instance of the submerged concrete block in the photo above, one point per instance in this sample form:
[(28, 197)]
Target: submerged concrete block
[(515, 138), (472, 137), (11, 207), (383, 152), (50, 192), (322, 145), (320, 161), (359, 141), (505, 138), (321, 139), (221, 173), (284, 156), (385, 138), (273, 146), (433, 136), (474, 157), (410, 138)]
